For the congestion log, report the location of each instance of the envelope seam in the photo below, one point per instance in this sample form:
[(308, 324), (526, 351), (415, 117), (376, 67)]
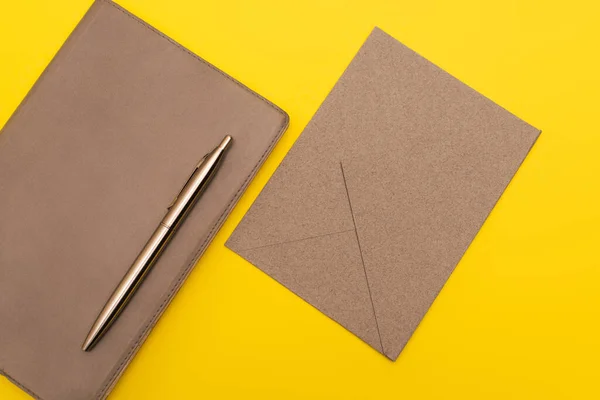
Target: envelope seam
[(362, 258), (295, 240)]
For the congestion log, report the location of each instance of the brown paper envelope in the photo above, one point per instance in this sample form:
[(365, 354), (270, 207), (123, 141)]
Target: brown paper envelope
[(375, 204)]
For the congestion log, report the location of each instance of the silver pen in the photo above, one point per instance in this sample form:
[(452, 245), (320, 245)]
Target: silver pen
[(177, 211)]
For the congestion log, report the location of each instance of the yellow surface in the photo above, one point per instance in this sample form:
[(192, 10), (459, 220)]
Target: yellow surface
[(519, 317)]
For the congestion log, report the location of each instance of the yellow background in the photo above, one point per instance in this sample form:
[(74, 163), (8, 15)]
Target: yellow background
[(519, 318)]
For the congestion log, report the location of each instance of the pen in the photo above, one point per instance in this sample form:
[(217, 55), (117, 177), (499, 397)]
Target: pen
[(177, 211)]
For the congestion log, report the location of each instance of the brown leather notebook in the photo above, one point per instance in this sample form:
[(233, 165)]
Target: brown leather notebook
[(88, 164)]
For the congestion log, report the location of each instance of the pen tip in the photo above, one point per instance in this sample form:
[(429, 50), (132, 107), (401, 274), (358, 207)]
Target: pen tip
[(225, 142), (89, 342), (86, 346)]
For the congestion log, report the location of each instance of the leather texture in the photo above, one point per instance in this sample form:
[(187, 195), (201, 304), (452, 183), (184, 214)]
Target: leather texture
[(88, 164)]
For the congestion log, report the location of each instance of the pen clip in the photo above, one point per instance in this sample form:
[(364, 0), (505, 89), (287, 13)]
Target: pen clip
[(186, 182)]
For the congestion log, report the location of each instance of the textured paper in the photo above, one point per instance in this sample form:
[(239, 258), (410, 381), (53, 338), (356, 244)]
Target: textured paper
[(377, 201), (88, 164)]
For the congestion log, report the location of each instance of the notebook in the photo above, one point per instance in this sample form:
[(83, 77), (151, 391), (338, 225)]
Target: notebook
[(89, 163), (383, 192)]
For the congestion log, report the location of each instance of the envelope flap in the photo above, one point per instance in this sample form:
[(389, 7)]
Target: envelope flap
[(328, 272), (305, 198)]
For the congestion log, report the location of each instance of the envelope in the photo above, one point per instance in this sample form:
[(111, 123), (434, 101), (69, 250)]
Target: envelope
[(375, 204)]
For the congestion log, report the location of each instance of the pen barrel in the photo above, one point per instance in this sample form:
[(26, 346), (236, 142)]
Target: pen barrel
[(177, 211), (181, 206), (128, 285), (142, 264)]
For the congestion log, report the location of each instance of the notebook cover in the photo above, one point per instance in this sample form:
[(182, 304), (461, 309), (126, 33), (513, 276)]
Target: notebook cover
[(88, 164), (383, 192)]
